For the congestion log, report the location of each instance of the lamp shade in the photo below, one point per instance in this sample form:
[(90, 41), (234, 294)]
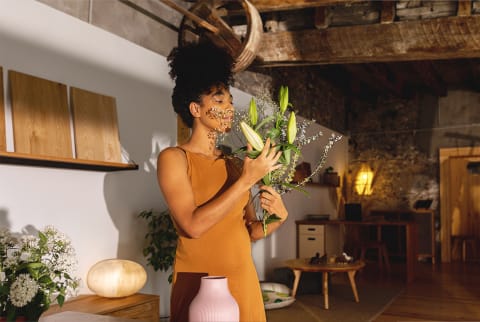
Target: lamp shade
[(116, 278), (363, 182)]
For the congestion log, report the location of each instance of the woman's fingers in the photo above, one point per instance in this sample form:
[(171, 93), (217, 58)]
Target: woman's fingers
[(272, 202)]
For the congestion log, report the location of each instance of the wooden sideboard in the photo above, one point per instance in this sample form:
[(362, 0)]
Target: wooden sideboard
[(144, 307)]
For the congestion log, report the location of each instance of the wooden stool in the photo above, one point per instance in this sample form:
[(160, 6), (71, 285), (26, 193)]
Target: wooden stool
[(462, 241), (382, 252)]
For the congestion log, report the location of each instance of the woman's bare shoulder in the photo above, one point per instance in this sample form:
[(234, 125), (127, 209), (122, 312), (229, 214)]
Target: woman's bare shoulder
[(171, 154)]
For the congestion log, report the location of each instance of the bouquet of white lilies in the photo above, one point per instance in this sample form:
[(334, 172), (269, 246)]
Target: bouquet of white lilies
[(277, 121)]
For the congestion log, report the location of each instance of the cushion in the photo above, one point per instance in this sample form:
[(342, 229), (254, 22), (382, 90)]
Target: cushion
[(276, 295)]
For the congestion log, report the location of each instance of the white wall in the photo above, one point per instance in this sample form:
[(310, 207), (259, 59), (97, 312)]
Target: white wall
[(98, 209)]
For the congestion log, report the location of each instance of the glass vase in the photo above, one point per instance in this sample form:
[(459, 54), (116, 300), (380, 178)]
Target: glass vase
[(214, 302)]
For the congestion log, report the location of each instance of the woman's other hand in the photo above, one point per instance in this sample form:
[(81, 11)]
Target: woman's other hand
[(272, 202)]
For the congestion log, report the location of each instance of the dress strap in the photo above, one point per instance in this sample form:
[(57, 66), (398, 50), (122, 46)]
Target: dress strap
[(186, 157), (180, 148)]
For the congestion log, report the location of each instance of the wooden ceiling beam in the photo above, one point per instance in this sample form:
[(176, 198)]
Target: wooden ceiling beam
[(280, 5), (440, 38)]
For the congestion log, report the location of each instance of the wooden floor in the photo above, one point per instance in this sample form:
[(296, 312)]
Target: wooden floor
[(441, 292)]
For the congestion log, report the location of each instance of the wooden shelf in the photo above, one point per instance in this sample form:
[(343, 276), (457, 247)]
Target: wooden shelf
[(65, 163)]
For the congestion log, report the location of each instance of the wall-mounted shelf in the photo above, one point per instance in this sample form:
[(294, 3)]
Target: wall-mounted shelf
[(64, 163)]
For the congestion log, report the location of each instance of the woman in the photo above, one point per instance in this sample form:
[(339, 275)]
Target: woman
[(207, 194)]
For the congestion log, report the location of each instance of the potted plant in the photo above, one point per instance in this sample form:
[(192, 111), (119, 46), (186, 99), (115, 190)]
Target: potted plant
[(331, 177), (161, 240)]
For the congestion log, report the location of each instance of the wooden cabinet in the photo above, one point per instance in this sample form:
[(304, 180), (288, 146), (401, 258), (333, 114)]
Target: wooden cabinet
[(144, 307), (310, 240)]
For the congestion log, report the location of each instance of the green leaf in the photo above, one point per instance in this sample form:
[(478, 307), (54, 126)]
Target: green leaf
[(264, 121), (252, 112)]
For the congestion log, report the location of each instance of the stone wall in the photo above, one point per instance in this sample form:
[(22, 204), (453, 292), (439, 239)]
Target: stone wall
[(312, 96), (399, 139)]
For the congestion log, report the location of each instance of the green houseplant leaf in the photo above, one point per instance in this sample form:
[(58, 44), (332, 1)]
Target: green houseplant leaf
[(161, 239)]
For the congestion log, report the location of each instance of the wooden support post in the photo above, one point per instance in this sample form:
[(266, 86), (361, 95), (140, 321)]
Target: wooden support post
[(387, 14), (464, 8), (322, 17)]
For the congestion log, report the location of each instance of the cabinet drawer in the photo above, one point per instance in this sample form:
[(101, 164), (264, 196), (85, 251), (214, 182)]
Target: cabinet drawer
[(310, 229), (310, 245)]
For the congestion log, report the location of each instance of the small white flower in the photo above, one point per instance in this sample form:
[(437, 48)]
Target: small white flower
[(3, 277), (23, 290), (25, 256)]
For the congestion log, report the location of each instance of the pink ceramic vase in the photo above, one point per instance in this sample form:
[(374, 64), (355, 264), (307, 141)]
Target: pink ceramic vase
[(213, 302)]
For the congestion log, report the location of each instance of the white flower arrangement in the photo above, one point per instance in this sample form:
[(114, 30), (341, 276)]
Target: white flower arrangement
[(34, 272), (266, 118)]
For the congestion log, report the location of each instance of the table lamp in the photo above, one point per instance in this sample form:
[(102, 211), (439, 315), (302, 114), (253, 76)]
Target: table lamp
[(116, 278)]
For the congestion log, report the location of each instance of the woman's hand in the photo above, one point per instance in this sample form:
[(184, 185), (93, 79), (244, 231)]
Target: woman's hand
[(267, 161), (272, 202)]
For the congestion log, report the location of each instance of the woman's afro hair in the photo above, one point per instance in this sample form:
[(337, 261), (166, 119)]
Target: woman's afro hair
[(196, 69)]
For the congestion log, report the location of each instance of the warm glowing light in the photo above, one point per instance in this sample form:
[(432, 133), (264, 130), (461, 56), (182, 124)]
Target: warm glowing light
[(116, 278), (363, 182)]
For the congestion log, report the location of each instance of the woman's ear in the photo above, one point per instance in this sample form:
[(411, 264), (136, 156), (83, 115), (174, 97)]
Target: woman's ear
[(194, 109)]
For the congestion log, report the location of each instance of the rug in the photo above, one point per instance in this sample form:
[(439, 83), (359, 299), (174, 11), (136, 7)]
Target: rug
[(374, 299)]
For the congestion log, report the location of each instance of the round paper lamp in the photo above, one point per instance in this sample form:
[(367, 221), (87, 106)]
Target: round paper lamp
[(116, 278)]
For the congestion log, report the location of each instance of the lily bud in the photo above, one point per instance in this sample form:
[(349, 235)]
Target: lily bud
[(292, 128), (252, 136), (283, 99), (252, 112)]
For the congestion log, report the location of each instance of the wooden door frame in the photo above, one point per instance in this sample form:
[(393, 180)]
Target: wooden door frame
[(445, 200)]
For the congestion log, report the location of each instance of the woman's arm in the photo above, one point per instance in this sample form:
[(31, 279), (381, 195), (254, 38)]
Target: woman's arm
[(177, 190), (272, 202)]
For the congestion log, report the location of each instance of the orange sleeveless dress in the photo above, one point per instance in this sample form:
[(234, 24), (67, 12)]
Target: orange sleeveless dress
[(224, 250)]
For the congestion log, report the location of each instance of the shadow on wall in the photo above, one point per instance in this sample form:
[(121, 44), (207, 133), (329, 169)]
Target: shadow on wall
[(127, 193), (6, 224)]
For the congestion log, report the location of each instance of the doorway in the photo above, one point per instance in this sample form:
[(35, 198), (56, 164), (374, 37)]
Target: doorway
[(459, 199)]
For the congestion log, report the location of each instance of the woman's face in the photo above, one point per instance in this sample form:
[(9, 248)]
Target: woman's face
[(217, 109)]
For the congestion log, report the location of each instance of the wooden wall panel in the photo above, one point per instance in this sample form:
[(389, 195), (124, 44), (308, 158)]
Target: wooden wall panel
[(452, 191), (95, 126), (40, 116), (3, 141)]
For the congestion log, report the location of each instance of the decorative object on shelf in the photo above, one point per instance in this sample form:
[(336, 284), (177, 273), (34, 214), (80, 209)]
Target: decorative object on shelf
[(353, 211), (96, 126), (40, 105), (331, 177), (35, 271), (302, 171), (317, 217), (161, 240), (116, 278), (364, 180), (3, 138), (267, 119), (213, 302)]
